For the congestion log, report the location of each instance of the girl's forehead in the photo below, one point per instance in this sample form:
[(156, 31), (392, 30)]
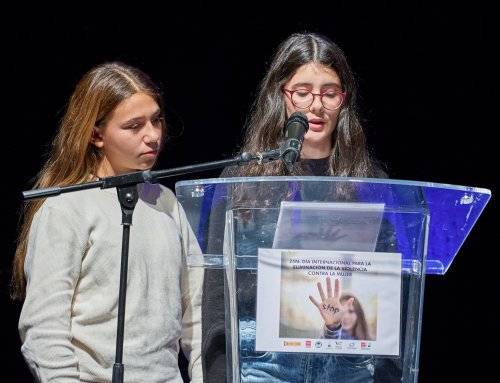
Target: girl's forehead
[(315, 73), (137, 105)]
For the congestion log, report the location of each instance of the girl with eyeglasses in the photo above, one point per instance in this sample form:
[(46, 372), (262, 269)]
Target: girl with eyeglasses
[(308, 74)]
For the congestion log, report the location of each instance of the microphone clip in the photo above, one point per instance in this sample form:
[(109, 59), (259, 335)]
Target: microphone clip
[(268, 155), (290, 150)]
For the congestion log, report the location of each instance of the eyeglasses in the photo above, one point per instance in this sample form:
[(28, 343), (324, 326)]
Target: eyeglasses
[(303, 99)]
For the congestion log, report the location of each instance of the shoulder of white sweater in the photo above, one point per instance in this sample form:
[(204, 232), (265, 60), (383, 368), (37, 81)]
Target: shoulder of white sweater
[(150, 192), (80, 198), (158, 196)]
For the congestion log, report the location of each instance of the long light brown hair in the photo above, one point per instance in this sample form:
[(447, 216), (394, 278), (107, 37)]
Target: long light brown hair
[(360, 330), (73, 159), (349, 156)]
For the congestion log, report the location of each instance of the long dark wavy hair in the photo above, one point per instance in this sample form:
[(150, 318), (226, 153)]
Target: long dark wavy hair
[(349, 156)]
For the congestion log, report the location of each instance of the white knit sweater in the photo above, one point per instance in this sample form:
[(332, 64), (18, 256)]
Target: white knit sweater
[(68, 321)]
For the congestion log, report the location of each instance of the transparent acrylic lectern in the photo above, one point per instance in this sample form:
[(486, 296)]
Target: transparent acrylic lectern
[(287, 250)]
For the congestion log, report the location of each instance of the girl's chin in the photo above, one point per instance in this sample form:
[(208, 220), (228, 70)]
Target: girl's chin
[(146, 165), (317, 139)]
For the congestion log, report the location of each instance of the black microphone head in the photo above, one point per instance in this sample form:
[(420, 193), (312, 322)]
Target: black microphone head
[(296, 127)]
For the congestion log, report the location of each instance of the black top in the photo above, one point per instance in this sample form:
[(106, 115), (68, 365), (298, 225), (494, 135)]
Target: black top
[(317, 167)]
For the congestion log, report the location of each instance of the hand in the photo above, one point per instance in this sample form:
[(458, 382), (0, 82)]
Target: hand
[(330, 232), (330, 308)]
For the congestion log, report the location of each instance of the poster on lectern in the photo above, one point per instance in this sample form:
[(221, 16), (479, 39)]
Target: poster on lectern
[(321, 301), (328, 225)]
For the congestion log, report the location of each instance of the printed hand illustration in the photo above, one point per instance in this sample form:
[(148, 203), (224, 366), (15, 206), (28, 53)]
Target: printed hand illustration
[(330, 308), (331, 233)]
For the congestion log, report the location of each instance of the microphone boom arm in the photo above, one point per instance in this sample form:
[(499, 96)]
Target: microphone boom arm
[(134, 178)]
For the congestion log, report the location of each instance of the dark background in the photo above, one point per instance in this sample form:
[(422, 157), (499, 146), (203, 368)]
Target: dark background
[(428, 79)]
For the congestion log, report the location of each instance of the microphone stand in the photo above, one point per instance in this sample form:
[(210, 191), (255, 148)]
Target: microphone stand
[(126, 185)]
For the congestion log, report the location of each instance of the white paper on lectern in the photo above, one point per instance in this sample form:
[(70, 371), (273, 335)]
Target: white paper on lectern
[(288, 321), (352, 226)]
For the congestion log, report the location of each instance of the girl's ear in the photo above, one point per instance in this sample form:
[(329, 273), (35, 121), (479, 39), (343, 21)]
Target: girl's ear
[(96, 138)]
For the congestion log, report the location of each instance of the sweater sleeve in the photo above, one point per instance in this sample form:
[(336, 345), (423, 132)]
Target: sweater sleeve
[(52, 267), (192, 286), (336, 333)]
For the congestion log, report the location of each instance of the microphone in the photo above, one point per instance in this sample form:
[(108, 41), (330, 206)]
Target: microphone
[(295, 128)]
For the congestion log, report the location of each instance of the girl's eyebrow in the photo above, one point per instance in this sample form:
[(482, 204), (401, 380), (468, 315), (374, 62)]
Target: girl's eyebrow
[(328, 84), (133, 120), (141, 118), (332, 84)]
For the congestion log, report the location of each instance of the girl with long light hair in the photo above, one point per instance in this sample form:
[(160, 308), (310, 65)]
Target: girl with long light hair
[(67, 263)]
